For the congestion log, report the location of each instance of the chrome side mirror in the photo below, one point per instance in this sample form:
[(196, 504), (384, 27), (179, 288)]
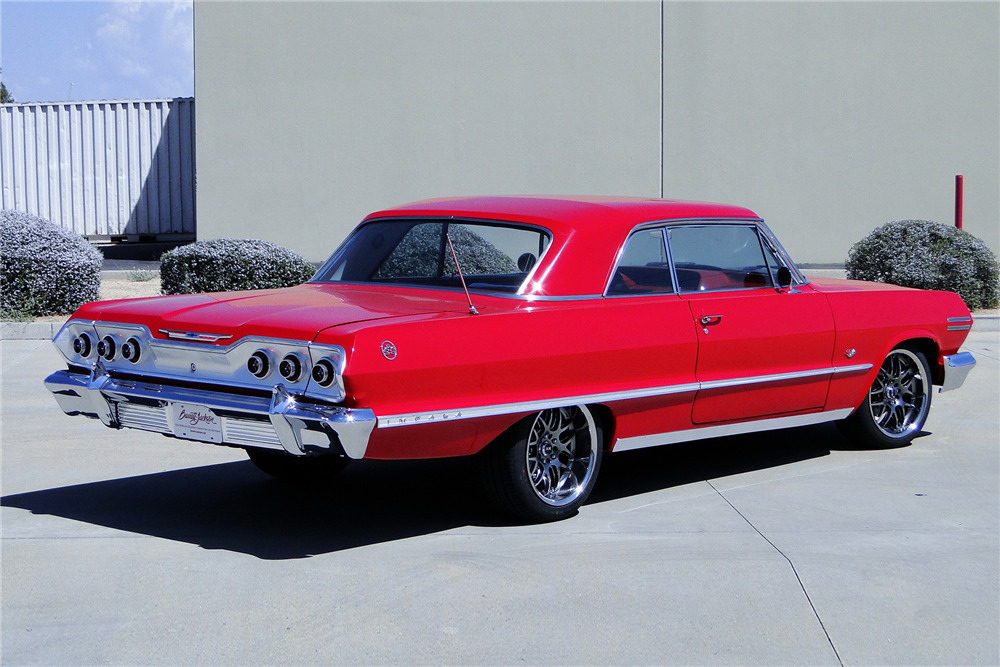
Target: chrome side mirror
[(784, 278)]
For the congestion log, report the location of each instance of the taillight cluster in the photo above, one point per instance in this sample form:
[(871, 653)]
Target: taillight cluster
[(252, 363), (107, 348), (292, 367)]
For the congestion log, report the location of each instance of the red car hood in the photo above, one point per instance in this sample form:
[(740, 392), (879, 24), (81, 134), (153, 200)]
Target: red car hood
[(295, 313)]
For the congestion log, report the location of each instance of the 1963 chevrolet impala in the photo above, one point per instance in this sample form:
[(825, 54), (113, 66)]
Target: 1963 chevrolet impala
[(537, 333)]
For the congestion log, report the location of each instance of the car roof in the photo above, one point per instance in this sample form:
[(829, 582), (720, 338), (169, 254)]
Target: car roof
[(623, 213), (587, 232)]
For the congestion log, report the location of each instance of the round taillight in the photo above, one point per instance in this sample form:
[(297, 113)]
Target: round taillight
[(290, 368), (131, 350), (107, 348), (258, 364), (323, 373), (82, 345)]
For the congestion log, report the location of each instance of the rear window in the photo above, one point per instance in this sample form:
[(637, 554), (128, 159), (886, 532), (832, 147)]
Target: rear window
[(492, 256)]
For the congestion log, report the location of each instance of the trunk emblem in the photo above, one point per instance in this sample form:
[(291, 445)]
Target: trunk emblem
[(388, 350), (175, 334)]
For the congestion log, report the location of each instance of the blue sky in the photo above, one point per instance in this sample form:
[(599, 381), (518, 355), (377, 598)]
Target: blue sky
[(62, 51)]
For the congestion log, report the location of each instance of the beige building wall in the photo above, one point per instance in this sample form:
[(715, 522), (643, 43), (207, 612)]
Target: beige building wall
[(828, 119)]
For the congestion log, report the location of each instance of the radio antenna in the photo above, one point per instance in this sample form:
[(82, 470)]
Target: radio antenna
[(454, 257)]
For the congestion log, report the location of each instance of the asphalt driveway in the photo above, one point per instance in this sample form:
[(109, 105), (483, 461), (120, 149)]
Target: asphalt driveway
[(124, 547)]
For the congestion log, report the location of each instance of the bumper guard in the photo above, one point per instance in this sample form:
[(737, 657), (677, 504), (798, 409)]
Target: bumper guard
[(956, 368), (284, 421)]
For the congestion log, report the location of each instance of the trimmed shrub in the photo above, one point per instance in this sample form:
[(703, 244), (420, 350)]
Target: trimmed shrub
[(45, 269), (226, 265), (928, 255), (418, 254)]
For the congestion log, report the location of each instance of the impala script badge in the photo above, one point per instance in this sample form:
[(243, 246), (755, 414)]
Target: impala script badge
[(388, 350)]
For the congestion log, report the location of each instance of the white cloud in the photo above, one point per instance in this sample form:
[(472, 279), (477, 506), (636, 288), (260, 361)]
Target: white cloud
[(152, 41)]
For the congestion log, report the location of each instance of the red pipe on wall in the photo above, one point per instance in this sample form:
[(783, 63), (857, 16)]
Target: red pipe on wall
[(958, 199)]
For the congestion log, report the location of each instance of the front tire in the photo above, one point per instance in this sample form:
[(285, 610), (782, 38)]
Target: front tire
[(896, 406), (546, 467), (291, 468)]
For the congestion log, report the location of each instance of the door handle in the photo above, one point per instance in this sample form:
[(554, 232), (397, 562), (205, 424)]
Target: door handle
[(709, 320)]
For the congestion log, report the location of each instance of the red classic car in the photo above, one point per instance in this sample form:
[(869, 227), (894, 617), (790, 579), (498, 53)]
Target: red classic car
[(536, 333)]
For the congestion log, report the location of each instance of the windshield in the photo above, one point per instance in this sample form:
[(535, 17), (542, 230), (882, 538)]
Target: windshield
[(493, 256)]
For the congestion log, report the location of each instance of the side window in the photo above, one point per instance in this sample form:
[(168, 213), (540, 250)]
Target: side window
[(643, 267), (719, 257)]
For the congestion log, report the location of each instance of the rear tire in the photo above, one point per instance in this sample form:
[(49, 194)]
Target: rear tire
[(896, 406), (287, 467), (546, 466)]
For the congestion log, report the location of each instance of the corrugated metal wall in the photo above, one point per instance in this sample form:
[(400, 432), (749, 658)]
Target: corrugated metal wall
[(103, 169)]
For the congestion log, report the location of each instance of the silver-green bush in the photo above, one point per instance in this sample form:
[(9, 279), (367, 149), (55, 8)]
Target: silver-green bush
[(224, 265), (44, 270), (928, 255)]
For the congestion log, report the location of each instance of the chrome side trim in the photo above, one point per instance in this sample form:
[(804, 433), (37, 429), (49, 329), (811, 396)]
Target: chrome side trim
[(959, 323), (956, 369), (673, 437), (778, 377), (412, 418)]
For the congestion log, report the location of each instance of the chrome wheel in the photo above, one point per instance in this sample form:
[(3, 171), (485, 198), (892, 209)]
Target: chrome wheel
[(898, 399), (896, 406), (560, 454), (544, 467)]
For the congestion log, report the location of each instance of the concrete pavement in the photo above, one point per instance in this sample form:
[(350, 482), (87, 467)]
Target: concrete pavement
[(125, 547)]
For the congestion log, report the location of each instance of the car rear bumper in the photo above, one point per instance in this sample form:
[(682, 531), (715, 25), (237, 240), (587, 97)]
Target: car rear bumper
[(956, 368), (283, 421)]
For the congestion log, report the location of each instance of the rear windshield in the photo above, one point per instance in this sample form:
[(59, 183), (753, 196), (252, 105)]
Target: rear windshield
[(492, 256)]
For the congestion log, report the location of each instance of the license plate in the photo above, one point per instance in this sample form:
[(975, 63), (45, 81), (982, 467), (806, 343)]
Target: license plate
[(196, 422)]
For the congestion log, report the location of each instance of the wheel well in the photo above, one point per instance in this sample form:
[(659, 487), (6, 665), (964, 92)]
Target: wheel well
[(606, 418), (931, 352)]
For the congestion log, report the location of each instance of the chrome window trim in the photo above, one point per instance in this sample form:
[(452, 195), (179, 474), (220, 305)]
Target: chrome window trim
[(413, 418), (764, 236), (720, 430), (621, 251), (545, 231)]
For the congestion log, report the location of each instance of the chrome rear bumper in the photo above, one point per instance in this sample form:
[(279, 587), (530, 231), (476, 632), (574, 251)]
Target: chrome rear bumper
[(956, 368), (281, 422)]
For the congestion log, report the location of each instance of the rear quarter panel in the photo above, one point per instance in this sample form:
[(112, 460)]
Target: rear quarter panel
[(514, 352)]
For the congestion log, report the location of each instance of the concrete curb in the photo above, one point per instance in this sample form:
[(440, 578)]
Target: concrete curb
[(29, 330)]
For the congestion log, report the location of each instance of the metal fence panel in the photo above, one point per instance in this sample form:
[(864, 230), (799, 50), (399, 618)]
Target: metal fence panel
[(107, 170)]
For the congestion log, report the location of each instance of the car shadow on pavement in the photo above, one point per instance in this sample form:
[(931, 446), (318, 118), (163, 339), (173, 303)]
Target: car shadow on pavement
[(646, 470), (235, 507)]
